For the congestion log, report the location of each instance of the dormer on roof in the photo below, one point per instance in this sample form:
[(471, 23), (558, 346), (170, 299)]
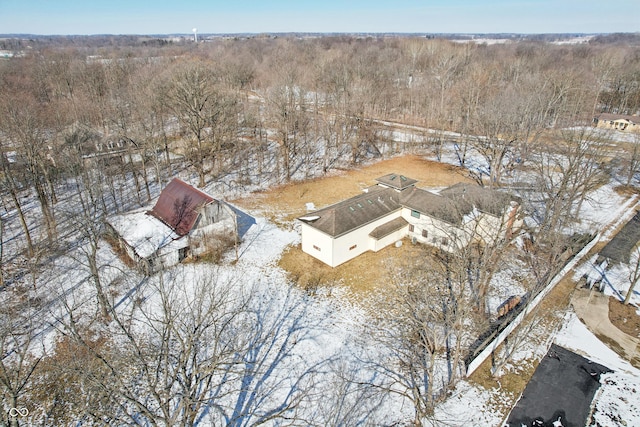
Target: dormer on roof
[(396, 181)]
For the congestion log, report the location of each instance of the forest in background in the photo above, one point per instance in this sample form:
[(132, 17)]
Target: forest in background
[(89, 130)]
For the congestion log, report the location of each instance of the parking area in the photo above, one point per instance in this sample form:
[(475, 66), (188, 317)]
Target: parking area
[(559, 393)]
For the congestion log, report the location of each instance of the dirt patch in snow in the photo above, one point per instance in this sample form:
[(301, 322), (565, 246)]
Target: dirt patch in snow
[(624, 317)]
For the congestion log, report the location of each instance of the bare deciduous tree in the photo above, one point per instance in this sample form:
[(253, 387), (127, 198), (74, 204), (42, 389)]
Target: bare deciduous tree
[(421, 329), (208, 114), (634, 273), (566, 173), (19, 359), (201, 348)]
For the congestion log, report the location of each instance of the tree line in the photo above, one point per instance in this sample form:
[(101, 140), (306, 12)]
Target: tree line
[(86, 132)]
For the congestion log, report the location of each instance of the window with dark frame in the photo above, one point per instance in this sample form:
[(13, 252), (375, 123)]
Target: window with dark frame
[(411, 228), (415, 214), (425, 233), (183, 253)]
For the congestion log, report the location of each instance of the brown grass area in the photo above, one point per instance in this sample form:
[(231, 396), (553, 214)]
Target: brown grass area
[(626, 190), (361, 275), (286, 202), (120, 253), (370, 270), (624, 317)]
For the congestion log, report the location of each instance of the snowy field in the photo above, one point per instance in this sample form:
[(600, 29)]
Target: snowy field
[(336, 324), (339, 322), (469, 405)]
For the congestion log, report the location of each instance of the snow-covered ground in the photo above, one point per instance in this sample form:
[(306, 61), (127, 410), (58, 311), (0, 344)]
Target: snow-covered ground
[(617, 402), (338, 323), (469, 404), (616, 279)]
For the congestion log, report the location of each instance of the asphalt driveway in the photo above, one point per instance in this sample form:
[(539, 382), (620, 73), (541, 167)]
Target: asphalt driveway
[(561, 391)]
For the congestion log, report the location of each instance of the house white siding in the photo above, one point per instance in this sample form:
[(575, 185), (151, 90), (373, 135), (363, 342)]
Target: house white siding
[(446, 221), (439, 233), (336, 251), (317, 244), (376, 244), (358, 241)]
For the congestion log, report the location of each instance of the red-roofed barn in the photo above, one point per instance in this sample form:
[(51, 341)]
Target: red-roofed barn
[(184, 222)]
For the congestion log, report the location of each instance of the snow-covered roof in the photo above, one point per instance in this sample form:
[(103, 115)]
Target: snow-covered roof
[(145, 233)]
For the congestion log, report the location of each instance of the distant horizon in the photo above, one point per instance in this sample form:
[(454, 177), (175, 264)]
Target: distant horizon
[(164, 17), (328, 33)]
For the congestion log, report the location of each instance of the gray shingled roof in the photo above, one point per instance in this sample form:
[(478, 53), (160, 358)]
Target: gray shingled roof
[(450, 205), (431, 204), (466, 196), (345, 216), (394, 180), (388, 228)]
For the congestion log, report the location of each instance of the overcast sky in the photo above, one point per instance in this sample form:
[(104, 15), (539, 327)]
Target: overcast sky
[(256, 16)]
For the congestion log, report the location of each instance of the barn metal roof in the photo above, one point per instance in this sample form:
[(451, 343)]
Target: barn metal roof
[(178, 204)]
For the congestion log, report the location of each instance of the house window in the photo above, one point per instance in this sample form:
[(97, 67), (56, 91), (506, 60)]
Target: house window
[(445, 241), (415, 214), (425, 233), (183, 253), (317, 248), (411, 228), (353, 247)]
